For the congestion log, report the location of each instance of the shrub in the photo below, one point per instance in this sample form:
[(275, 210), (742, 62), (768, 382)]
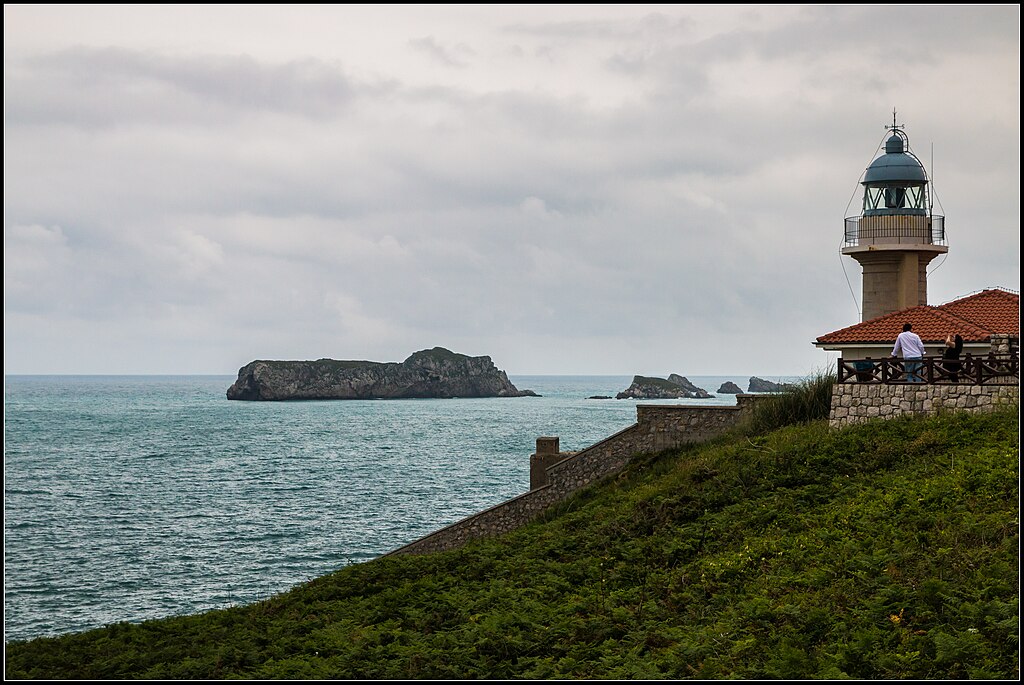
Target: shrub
[(810, 399)]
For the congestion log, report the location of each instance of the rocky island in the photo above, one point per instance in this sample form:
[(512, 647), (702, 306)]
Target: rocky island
[(648, 388), (761, 385), (729, 388), (436, 373)]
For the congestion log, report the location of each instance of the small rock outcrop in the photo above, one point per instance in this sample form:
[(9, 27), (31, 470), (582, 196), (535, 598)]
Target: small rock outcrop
[(761, 385), (599, 397), (436, 373), (730, 388), (648, 388)]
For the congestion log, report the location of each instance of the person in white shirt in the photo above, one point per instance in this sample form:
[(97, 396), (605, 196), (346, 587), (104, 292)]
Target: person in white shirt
[(910, 346)]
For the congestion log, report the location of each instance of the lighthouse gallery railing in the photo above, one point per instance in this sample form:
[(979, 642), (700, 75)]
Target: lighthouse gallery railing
[(895, 229)]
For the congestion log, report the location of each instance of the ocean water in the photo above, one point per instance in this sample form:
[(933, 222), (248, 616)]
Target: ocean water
[(128, 498)]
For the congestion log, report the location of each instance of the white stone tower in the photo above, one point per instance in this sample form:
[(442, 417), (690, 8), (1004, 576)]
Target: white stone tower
[(896, 234)]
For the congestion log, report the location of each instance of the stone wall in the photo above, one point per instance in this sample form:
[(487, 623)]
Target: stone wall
[(859, 402), (667, 426), (658, 427)]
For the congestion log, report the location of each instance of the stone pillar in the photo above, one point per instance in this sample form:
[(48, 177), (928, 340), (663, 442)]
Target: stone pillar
[(745, 402), (1002, 344), (546, 455)]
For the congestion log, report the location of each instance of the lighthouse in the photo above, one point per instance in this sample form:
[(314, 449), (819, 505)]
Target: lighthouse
[(896, 234)]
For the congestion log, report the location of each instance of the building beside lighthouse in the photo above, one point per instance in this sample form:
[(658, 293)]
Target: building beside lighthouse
[(987, 321)]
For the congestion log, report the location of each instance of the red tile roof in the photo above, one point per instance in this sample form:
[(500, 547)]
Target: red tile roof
[(975, 318), (996, 310)]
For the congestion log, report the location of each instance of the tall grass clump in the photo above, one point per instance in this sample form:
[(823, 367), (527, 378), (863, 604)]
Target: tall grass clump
[(810, 399)]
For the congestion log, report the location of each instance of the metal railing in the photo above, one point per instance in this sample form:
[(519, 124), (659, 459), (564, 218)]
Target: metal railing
[(895, 229), (988, 370)]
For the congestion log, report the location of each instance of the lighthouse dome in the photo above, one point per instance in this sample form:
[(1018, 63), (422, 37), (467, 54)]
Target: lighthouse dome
[(895, 166)]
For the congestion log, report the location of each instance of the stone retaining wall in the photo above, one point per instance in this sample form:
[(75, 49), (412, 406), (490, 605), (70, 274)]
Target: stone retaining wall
[(859, 402), (658, 427)]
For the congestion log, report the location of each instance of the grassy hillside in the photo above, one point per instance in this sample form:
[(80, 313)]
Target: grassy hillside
[(886, 550)]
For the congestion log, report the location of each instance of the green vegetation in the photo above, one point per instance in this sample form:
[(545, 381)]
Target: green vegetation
[(437, 354), (659, 383), (882, 551), (808, 400), (321, 364)]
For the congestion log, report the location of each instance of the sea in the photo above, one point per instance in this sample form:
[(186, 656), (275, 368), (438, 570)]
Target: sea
[(128, 498)]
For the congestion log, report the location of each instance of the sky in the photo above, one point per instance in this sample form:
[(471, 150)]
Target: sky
[(568, 189)]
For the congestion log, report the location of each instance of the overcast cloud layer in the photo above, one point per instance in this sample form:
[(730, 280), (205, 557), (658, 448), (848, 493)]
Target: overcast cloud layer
[(566, 189)]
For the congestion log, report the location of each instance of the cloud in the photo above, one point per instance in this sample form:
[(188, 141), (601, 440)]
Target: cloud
[(93, 87), (642, 28), (34, 256), (451, 56), (670, 188)]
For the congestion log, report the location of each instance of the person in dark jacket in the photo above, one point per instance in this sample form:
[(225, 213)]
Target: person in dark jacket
[(951, 356)]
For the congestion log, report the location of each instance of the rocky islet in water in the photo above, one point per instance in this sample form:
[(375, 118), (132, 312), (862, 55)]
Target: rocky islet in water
[(434, 373)]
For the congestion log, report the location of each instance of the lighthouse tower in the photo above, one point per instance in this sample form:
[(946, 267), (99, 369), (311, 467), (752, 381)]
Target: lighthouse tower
[(896, 234)]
